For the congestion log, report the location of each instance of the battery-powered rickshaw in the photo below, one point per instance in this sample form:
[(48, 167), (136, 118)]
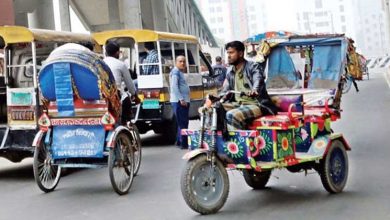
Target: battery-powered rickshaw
[(304, 79), (22, 52), (80, 126)]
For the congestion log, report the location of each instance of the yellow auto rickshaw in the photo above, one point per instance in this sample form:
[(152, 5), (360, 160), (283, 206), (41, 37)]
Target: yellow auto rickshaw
[(155, 112)]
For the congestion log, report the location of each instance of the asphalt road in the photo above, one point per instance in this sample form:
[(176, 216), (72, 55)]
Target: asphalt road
[(155, 194)]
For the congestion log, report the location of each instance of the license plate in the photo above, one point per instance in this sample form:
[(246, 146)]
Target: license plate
[(78, 141), (21, 98), (150, 104)]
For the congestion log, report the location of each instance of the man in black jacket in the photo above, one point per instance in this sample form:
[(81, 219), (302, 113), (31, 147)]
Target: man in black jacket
[(247, 77)]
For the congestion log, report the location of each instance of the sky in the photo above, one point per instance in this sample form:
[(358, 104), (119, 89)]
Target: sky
[(277, 9)]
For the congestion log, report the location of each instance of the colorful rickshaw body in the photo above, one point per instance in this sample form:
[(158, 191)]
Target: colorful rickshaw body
[(24, 51), (299, 137), (155, 112)]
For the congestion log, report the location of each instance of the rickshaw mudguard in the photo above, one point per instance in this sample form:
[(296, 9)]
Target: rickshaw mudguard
[(321, 145), (113, 134), (339, 136), (194, 153), (38, 137)]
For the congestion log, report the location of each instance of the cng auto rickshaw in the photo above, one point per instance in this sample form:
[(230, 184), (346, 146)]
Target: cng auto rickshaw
[(24, 50), (298, 137), (155, 112)]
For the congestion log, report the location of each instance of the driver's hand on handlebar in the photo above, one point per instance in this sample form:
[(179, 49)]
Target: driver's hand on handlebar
[(253, 93)]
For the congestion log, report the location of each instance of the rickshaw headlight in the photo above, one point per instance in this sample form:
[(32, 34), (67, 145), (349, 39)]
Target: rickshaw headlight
[(108, 121), (44, 122)]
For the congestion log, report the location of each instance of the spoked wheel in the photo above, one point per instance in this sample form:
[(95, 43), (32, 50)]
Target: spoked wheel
[(205, 188), (256, 180), (46, 174), (136, 143), (121, 164), (334, 168)]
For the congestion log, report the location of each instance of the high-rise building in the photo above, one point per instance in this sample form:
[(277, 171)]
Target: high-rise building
[(234, 19), (371, 28), (257, 16), (325, 16)]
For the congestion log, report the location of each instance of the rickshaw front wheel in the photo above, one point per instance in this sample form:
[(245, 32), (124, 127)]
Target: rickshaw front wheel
[(334, 168), (205, 188), (256, 180), (46, 174), (121, 164)]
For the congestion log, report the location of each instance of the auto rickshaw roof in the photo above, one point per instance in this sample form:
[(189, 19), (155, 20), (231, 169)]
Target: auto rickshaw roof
[(19, 34), (297, 40), (140, 36)]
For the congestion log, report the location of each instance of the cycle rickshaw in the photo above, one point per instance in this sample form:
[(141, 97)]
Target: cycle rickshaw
[(79, 127), (22, 51), (299, 137)]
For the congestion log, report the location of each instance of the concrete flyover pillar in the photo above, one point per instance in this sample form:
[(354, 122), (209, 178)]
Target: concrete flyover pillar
[(64, 15), (7, 16), (131, 11), (42, 16)]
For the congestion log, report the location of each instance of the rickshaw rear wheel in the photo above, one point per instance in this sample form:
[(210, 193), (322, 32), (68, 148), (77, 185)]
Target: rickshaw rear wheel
[(121, 164), (136, 142), (256, 180), (46, 174), (204, 193), (334, 168)]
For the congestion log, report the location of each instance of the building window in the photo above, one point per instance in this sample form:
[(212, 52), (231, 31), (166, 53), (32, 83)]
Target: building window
[(342, 18), (307, 26), (221, 30), (318, 3), (212, 20), (219, 9), (253, 17), (220, 19), (306, 15), (341, 8), (343, 29), (212, 9), (322, 24)]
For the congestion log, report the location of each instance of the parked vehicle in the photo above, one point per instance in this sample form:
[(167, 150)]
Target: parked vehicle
[(299, 137), (24, 51), (80, 125), (155, 113)]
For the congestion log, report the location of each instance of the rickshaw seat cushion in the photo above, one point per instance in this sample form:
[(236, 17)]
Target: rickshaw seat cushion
[(85, 83), (283, 102), (282, 119)]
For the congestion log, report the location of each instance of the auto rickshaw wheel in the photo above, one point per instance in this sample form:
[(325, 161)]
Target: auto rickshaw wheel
[(334, 168), (137, 148), (46, 174), (256, 180), (204, 188), (121, 164)]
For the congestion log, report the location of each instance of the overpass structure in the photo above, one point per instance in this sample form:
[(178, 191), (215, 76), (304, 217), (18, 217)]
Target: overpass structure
[(177, 16)]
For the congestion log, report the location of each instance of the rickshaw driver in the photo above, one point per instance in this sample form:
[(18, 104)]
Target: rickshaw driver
[(120, 72), (248, 77)]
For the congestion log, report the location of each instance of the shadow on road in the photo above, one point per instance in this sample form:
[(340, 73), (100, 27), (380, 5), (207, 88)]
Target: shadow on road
[(20, 173), (151, 139)]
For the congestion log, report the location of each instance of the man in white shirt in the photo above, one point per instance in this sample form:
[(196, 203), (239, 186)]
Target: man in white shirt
[(121, 73)]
